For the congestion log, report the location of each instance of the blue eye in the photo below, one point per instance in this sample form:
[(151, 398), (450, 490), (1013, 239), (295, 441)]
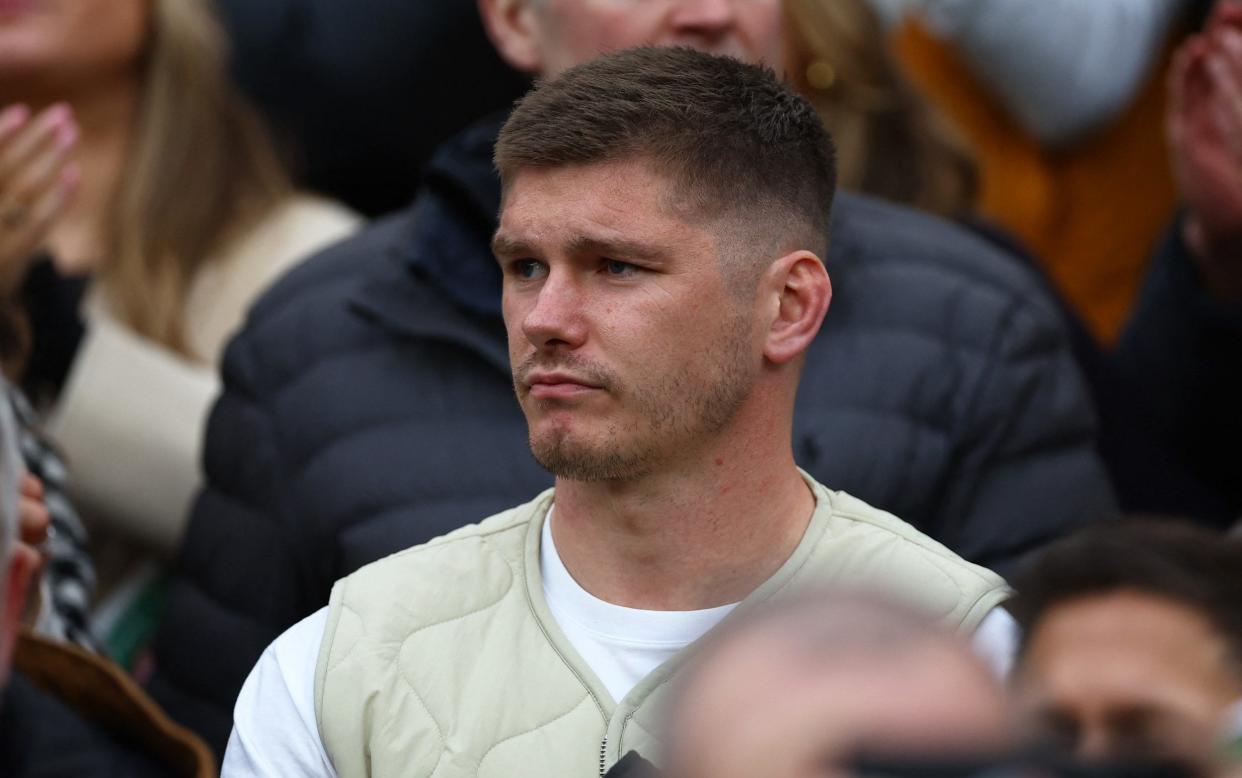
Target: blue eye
[(527, 268), (616, 267)]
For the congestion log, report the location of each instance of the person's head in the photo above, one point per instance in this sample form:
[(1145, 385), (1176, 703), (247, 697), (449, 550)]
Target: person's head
[(892, 143), (663, 215), (200, 167), (807, 686), (546, 37), (1132, 640)]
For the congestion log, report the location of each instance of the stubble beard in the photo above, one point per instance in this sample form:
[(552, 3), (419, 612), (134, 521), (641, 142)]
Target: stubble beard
[(672, 414)]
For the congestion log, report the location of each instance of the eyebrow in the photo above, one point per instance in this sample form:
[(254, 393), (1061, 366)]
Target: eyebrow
[(617, 249), (505, 247)]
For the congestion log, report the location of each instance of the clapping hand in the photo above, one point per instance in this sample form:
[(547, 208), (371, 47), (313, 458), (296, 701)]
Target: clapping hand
[(37, 178), (1205, 133)]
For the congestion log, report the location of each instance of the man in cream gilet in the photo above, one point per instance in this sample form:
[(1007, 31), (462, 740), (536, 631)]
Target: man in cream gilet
[(663, 220)]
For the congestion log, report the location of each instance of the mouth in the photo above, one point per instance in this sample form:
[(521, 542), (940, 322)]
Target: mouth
[(558, 386)]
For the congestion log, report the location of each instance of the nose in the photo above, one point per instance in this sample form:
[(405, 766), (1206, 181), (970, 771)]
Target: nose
[(1095, 743), (707, 19), (555, 319)]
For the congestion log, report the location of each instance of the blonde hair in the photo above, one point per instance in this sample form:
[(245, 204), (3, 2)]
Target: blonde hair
[(890, 141), (201, 170)]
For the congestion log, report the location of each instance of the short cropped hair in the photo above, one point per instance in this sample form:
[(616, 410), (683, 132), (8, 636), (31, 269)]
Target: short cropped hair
[(1171, 560), (734, 141)]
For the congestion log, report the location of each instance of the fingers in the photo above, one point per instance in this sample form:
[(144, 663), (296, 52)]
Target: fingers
[(1225, 68), (37, 177), (34, 519), (31, 486), (51, 131)]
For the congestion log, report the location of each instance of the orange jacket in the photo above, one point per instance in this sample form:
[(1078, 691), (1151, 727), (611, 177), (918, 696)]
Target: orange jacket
[(1091, 212)]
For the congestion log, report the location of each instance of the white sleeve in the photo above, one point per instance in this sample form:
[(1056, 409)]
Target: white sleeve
[(275, 732), (1061, 67), (996, 641)]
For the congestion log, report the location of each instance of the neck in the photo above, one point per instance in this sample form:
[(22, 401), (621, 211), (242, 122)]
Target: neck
[(106, 116), (703, 532)]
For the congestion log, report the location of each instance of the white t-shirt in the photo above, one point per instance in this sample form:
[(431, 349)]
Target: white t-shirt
[(275, 733)]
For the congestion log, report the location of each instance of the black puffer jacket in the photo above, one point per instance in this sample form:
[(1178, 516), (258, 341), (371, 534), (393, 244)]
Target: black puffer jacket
[(368, 407)]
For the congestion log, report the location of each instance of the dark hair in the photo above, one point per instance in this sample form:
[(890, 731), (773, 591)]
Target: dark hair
[(1164, 558), (731, 137)]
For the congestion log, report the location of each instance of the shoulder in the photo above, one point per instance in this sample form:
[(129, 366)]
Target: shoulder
[(305, 316), (290, 231), (336, 268), (488, 553), (868, 546), (880, 243)]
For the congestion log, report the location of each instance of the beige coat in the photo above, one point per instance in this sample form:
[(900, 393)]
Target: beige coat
[(132, 414)]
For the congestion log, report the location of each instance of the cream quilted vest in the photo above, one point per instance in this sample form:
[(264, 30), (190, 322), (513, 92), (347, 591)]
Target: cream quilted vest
[(443, 660)]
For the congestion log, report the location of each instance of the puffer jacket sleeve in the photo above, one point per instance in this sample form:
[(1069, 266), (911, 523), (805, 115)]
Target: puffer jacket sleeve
[(237, 581), (1028, 471)]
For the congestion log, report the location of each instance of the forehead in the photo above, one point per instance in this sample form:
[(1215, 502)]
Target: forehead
[(1130, 648), (605, 201)]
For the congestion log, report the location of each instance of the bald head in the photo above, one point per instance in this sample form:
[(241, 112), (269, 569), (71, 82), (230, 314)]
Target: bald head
[(801, 688)]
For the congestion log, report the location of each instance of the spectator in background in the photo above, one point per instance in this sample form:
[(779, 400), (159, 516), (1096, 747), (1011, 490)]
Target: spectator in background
[(811, 685), (1063, 102), (1188, 328), (892, 143), (364, 91), (141, 210), (941, 364), (1162, 393), (65, 713), (1132, 641)]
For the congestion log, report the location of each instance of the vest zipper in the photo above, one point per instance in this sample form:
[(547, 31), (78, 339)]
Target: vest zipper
[(603, 756)]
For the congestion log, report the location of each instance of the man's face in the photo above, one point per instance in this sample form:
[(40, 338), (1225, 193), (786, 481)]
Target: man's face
[(628, 348), (1128, 675), (571, 32)]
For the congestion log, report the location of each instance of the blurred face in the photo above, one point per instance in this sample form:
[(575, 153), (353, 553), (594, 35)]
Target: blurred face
[(769, 706), (570, 32), (63, 43), (628, 350), (1128, 675)]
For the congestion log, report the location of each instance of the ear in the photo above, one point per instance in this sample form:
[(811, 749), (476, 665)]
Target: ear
[(21, 567), (800, 293), (513, 27)]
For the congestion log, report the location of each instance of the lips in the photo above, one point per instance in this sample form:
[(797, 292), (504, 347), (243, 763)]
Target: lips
[(558, 385)]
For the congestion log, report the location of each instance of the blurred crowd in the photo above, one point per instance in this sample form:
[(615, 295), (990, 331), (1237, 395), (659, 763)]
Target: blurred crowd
[(266, 272)]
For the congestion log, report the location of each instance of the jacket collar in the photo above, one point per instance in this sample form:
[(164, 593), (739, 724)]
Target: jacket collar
[(441, 281), (456, 215)]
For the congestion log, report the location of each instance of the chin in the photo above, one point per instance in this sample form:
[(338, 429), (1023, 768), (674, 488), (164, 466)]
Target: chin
[(595, 461)]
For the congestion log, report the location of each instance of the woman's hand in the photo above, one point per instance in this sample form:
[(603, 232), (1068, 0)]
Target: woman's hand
[(37, 178), (1205, 133), (34, 520)]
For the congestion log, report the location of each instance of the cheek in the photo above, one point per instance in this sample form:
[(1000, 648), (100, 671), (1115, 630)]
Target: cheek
[(765, 30), (593, 27)]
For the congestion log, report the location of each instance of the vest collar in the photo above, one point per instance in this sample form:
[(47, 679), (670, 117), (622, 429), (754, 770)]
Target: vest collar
[(641, 707)]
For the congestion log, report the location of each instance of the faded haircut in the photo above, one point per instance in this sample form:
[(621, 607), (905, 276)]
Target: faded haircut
[(740, 147)]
